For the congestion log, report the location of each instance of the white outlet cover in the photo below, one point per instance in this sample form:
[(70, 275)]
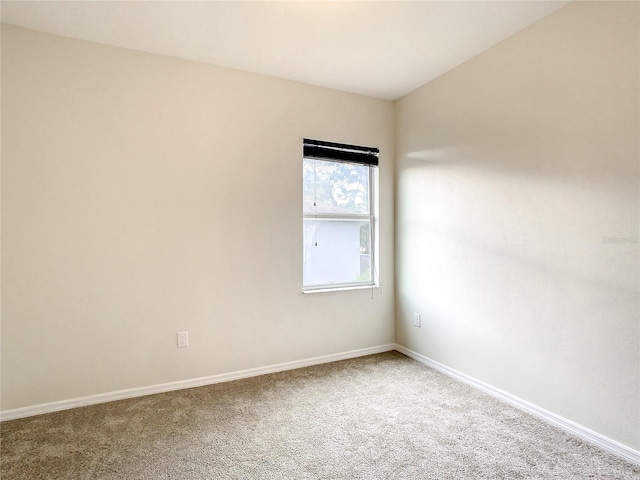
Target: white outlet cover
[(417, 319), (183, 339)]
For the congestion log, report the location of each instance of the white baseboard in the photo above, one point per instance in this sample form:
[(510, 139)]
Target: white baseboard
[(605, 443), (584, 433), (196, 382)]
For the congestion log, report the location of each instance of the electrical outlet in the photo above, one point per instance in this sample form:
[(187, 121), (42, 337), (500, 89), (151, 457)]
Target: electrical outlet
[(417, 320), (183, 339)]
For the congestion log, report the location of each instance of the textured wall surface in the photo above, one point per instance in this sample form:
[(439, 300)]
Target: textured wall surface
[(518, 217), (144, 195)]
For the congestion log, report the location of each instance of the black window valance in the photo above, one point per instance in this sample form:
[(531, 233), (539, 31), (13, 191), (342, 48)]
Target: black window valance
[(340, 152)]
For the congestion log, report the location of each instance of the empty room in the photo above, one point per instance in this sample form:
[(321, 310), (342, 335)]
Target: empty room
[(320, 240)]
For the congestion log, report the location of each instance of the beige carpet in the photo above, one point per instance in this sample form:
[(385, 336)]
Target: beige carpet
[(378, 417)]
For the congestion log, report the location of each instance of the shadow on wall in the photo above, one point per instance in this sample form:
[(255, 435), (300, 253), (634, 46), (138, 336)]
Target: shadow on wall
[(516, 263), (517, 217)]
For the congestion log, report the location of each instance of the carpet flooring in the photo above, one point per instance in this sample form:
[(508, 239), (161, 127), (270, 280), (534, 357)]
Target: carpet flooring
[(377, 417)]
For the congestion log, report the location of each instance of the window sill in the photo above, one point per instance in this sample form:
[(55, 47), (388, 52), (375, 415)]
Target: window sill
[(340, 289)]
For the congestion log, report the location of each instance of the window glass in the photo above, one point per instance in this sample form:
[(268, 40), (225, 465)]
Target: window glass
[(338, 224), (335, 187)]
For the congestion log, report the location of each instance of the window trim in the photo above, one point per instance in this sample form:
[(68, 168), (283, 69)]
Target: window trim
[(371, 217)]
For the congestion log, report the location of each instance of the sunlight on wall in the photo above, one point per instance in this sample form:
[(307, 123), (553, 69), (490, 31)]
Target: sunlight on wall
[(518, 217)]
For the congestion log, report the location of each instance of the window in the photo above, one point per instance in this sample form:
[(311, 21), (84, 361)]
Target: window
[(339, 200)]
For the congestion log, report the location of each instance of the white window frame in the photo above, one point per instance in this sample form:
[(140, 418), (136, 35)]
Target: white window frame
[(371, 217)]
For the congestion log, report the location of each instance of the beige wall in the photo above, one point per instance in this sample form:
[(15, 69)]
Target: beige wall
[(514, 173), (144, 195)]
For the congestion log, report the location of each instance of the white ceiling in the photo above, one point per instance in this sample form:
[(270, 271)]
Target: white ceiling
[(381, 49)]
